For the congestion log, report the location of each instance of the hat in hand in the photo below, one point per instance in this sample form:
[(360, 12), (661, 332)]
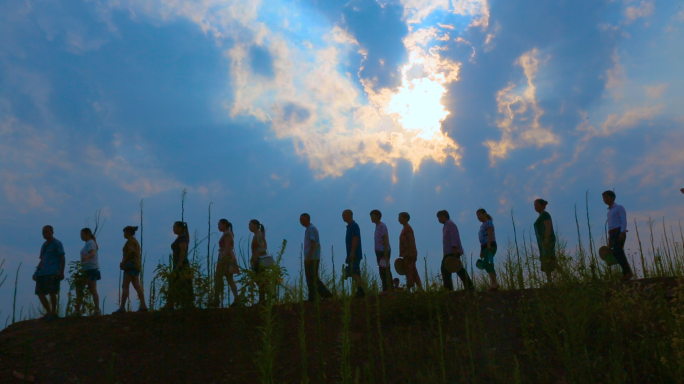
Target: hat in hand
[(453, 264), (400, 266)]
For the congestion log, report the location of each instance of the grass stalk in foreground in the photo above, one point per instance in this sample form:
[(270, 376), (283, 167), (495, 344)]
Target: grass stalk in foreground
[(345, 363), (302, 322), (381, 347), (14, 302)]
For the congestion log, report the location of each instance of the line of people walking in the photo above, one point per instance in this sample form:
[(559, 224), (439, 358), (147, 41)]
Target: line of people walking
[(50, 270)]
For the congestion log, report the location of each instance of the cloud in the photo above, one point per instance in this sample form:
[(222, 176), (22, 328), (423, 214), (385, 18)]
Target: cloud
[(655, 91), (479, 9), (615, 123), (417, 10), (306, 98), (615, 77), (662, 165), (41, 165), (644, 9), (519, 113)]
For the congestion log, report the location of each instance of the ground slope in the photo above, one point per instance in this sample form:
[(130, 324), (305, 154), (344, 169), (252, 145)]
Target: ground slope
[(425, 338)]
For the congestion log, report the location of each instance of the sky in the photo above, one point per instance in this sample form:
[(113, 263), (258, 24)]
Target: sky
[(268, 109)]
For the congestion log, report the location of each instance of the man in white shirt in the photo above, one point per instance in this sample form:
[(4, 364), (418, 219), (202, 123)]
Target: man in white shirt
[(617, 233)]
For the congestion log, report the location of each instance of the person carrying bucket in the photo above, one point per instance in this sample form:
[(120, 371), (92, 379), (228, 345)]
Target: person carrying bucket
[(617, 233), (487, 247), (451, 244)]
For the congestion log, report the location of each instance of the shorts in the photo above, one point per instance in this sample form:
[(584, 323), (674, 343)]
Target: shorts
[(92, 275), (46, 285), (547, 257), (354, 269), (487, 257), (132, 272)]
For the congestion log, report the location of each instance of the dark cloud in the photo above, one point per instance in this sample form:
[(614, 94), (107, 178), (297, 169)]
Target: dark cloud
[(378, 28)]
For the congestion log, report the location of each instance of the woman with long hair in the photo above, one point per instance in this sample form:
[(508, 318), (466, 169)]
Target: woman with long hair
[(90, 268), (227, 264), (259, 248), (131, 265), (407, 250), (487, 246), (180, 289), (546, 239)]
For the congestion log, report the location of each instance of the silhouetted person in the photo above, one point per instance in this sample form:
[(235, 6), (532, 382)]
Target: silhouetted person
[(546, 239), (131, 265), (617, 233), (49, 273), (451, 244), (227, 264), (382, 250), (180, 282), (487, 246), (90, 268), (408, 251), (259, 248), (354, 250), (312, 259)]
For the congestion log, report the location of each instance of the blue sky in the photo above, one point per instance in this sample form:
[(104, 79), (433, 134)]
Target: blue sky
[(268, 109)]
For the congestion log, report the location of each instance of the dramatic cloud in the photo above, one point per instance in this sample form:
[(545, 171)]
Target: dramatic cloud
[(299, 90), (519, 113)]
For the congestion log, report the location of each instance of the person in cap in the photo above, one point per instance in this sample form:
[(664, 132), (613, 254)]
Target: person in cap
[(49, 273), (487, 239), (354, 250), (617, 233), (312, 260), (451, 244), (382, 250), (546, 239), (409, 252), (131, 265)]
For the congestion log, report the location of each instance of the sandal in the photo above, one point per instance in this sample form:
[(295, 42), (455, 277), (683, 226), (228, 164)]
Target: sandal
[(118, 311)]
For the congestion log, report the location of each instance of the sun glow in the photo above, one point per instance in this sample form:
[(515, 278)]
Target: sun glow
[(417, 107)]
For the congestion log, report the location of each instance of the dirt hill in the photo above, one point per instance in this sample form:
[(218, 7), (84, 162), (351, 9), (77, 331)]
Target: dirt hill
[(554, 334)]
